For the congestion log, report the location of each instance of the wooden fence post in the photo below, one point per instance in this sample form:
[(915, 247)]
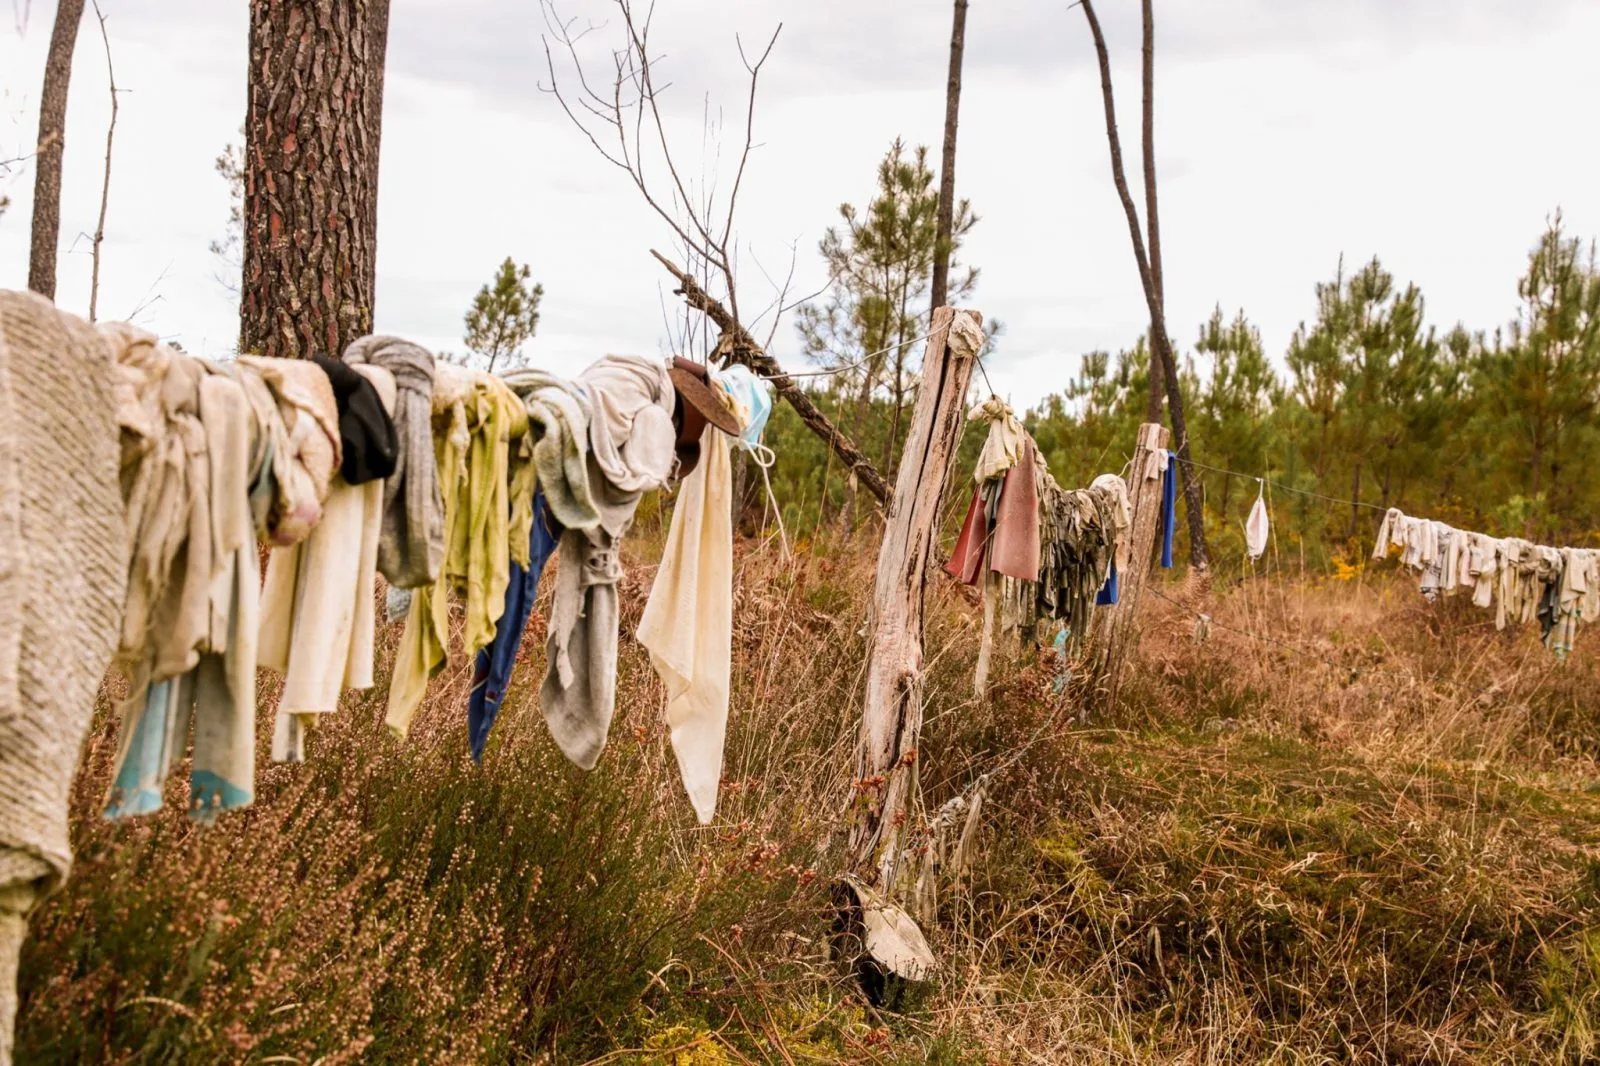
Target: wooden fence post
[(891, 720), (1116, 624)]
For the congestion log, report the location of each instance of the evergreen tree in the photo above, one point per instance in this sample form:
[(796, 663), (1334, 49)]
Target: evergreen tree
[(880, 262), (504, 316)]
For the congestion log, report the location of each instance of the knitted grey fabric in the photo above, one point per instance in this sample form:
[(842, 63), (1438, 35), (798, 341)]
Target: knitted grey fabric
[(411, 545), (63, 574)]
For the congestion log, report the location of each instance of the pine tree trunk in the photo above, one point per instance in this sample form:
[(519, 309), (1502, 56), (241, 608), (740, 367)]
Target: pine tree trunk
[(947, 170), (52, 140), (312, 125)]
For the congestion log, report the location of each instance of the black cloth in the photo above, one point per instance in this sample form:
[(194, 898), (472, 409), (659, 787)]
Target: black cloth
[(366, 432)]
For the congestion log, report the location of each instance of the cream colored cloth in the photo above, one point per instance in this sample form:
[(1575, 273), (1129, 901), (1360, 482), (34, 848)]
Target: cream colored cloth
[(308, 457), (1003, 446), (631, 436), (1257, 528), (317, 613), (688, 622)]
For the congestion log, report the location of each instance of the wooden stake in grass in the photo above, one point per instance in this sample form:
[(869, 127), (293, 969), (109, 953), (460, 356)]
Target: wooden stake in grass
[(891, 719)]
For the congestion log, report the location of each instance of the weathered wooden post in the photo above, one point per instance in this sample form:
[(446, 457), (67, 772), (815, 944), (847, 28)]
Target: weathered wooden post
[(891, 720), (1115, 624)]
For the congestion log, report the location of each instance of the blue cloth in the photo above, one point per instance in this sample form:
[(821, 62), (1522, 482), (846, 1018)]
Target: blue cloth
[(754, 394), (492, 672), (1169, 509), (1108, 591)]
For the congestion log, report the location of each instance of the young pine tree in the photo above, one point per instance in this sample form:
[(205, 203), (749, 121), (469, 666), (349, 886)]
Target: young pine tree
[(504, 316)]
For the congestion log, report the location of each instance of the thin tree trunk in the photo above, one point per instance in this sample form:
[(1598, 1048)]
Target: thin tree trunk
[(947, 171), (1160, 344), (52, 140), (1152, 217), (105, 185), (311, 158)]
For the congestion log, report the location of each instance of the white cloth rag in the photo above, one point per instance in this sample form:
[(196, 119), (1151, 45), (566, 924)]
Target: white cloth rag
[(688, 622), (1257, 528)]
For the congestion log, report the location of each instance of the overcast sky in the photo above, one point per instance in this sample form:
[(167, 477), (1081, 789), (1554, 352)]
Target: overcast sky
[(1437, 134)]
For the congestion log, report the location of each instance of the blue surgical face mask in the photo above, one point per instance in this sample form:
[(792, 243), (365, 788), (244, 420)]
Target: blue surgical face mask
[(751, 393)]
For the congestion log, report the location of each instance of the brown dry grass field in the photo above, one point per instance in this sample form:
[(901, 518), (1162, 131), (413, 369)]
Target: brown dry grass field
[(1366, 833)]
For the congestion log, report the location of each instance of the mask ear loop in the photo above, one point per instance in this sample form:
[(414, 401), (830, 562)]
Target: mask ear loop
[(764, 457)]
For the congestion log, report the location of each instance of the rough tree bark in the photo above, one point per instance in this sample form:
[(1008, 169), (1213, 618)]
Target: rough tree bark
[(1160, 342), (891, 722), (52, 140), (737, 345), (310, 174), (947, 169)]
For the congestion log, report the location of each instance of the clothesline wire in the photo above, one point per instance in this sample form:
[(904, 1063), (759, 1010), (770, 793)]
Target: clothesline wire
[(1280, 486)]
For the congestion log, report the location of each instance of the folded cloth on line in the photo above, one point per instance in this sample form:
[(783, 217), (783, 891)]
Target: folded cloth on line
[(491, 673), (309, 456), (411, 545), (195, 591), (632, 449), (558, 413), (631, 436), (366, 428), (688, 622), (317, 611), (63, 576), (483, 483)]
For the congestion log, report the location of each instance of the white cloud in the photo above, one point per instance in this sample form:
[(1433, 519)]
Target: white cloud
[(1434, 133)]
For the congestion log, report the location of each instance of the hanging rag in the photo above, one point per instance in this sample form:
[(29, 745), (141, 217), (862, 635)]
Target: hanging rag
[(192, 657), (317, 610), (631, 436), (483, 487), (63, 575), (1002, 526), (367, 440), (631, 443), (1108, 591), (1169, 507), (1257, 527), (411, 545), (558, 443), (688, 622), (308, 456), (1002, 448), (491, 674)]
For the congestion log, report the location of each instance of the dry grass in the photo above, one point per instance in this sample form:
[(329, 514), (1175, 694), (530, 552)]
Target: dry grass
[(1372, 841)]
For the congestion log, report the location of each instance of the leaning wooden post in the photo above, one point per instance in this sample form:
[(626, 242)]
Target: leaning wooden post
[(891, 719), (1115, 624)]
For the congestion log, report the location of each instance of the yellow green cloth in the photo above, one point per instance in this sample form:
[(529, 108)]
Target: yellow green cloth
[(485, 479)]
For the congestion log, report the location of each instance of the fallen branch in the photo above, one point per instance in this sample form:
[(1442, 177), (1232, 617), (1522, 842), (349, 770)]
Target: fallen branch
[(736, 345)]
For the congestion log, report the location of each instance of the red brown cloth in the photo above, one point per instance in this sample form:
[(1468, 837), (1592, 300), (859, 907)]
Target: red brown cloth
[(966, 562), (1015, 536), (1015, 542)]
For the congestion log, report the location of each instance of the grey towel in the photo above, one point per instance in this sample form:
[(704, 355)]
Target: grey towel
[(411, 545)]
